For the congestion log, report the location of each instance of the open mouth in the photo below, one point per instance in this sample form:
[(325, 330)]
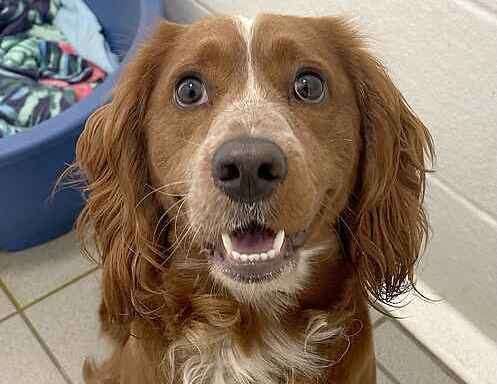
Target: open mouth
[(257, 254)]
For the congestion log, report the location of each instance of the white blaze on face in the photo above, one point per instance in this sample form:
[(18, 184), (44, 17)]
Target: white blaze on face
[(252, 93)]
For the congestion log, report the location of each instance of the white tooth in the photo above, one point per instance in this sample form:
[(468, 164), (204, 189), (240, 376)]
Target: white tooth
[(278, 241), (271, 254), (235, 255), (227, 242), (264, 256), (243, 258), (253, 257)]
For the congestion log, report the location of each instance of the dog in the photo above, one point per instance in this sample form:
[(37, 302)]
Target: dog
[(252, 185)]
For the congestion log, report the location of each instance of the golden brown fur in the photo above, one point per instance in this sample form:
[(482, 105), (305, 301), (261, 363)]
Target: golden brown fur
[(356, 181)]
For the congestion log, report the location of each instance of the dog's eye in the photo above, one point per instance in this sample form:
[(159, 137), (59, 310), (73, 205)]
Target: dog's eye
[(190, 91), (309, 87)]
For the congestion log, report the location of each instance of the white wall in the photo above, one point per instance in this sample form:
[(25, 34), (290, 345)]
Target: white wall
[(443, 56)]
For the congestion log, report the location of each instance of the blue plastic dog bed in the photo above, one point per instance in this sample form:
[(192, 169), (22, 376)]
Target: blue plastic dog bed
[(31, 162)]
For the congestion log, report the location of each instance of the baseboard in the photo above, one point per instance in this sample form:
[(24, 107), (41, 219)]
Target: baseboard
[(451, 337)]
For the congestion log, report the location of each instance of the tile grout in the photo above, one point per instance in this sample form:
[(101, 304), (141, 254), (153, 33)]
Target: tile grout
[(387, 372), (19, 308), (45, 347), (379, 322), (12, 300), (10, 296), (464, 200), (5, 318), (59, 288), (34, 332), (424, 348)]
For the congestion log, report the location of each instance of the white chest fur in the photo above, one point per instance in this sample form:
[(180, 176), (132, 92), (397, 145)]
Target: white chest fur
[(276, 358)]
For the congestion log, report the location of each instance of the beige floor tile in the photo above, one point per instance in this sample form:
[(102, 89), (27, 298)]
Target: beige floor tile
[(68, 323), (404, 359), (375, 315), (34, 272), (6, 307), (381, 378), (23, 360)]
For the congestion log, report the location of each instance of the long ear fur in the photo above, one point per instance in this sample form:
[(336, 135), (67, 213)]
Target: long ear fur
[(386, 217), (111, 157)]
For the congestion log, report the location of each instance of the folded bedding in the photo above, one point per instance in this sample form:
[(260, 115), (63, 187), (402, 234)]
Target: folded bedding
[(19, 15), (42, 70), (82, 29), (38, 59), (24, 102)]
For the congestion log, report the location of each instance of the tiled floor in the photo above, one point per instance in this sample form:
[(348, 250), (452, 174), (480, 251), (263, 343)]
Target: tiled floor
[(48, 324)]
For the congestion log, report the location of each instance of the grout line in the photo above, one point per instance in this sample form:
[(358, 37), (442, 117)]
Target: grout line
[(444, 367), (9, 295), (18, 307), (390, 376), (45, 347), (11, 298), (8, 317), (379, 322), (464, 200), (35, 333), (60, 288)]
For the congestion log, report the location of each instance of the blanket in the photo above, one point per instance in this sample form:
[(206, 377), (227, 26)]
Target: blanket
[(20, 15), (41, 73)]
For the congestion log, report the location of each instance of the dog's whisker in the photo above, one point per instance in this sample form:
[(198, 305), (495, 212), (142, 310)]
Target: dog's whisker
[(163, 216), (158, 189), (176, 217), (180, 238), (166, 226), (194, 238)]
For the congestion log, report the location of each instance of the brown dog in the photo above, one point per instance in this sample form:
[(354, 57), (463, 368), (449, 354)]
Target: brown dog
[(250, 185)]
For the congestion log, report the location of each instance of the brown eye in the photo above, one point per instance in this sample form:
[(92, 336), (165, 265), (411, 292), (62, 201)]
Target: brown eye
[(190, 91), (309, 87)]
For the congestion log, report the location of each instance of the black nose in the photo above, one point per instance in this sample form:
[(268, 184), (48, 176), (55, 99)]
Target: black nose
[(248, 169)]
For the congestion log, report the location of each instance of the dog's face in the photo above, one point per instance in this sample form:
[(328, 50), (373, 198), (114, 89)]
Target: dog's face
[(258, 138), (255, 130)]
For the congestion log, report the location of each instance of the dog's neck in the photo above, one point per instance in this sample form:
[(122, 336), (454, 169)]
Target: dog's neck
[(222, 341), (258, 351)]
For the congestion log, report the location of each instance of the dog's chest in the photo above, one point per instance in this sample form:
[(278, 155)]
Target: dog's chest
[(275, 358), (265, 363)]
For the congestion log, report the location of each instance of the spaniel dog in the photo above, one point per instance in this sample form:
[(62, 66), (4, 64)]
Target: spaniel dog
[(251, 186)]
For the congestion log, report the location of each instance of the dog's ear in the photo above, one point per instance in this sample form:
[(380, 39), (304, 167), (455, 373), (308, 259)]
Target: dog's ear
[(386, 220), (111, 157)]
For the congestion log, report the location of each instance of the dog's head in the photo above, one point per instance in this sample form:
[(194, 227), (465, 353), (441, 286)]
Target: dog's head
[(249, 147)]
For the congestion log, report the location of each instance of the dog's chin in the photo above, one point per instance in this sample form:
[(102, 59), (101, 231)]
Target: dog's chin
[(257, 260)]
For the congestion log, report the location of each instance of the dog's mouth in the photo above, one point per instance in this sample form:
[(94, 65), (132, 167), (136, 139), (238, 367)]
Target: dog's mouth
[(256, 253)]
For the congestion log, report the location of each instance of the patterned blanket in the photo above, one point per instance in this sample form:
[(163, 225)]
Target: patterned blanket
[(41, 74), (24, 102), (20, 15)]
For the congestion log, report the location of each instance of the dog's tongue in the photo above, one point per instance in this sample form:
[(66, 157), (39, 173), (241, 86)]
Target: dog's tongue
[(252, 241)]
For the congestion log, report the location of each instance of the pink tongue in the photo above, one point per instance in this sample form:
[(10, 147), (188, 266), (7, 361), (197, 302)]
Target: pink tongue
[(252, 242)]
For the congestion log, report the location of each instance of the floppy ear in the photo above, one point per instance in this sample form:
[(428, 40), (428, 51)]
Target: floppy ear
[(111, 156), (386, 217)]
